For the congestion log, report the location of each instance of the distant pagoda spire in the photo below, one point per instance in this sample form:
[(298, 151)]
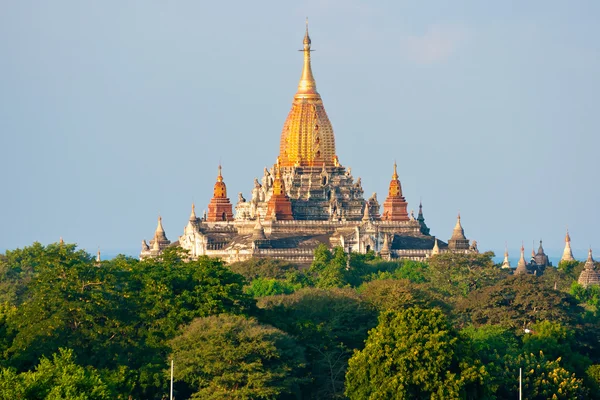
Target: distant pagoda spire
[(506, 262), (366, 213), (458, 241), (193, 213), (421, 219), (159, 233), (220, 208), (436, 247), (394, 207), (589, 275), (385, 252), (521, 265), (567, 253), (259, 232), (98, 259), (160, 240)]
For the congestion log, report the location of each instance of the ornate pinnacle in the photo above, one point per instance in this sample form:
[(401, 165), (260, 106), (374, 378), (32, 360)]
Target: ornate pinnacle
[(220, 176), (307, 84)]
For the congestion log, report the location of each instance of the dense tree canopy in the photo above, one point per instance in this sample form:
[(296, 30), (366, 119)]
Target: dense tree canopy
[(414, 353), (233, 357), (454, 327)]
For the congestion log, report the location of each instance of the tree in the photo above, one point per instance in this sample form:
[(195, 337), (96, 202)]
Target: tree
[(234, 357), (330, 324), (556, 341), (263, 268), (413, 354), (455, 274), (55, 379), (518, 302), (542, 379), (261, 287), (397, 294), (70, 302)]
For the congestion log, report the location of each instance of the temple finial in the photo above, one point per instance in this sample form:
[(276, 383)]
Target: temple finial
[(159, 227), (306, 37), (220, 176), (307, 84), (395, 175), (193, 214)]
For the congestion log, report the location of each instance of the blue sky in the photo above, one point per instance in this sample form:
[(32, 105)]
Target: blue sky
[(113, 112)]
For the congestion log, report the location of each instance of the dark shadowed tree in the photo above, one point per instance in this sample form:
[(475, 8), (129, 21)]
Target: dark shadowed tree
[(234, 357)]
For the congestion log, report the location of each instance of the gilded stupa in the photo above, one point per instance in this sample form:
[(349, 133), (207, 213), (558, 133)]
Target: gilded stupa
[(306, 198)]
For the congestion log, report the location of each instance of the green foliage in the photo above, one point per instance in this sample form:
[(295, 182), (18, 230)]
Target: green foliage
[(412, 354), (556, 341), (261, 287), (70, 302), (455, 274), (542, 379), (413, 271), (588, 295), (568, 267), (593, 378), (55, 379), (330, 324), (263, 268), (232, 357), (121, 316), (396, 294), (518, 302)]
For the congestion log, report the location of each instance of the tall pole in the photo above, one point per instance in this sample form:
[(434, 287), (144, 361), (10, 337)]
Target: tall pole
[(171, 380), (520, 385)]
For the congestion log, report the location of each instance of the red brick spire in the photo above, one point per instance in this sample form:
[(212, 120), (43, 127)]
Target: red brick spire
[(219, 208), (279, 206), (394, 208)]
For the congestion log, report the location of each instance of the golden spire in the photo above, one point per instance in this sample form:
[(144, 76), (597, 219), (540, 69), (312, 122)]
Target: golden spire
[(220, 176), (395, 176), (307, 84), (220, 190), (307, 136)]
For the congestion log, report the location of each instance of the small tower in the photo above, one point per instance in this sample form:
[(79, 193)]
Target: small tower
[(567, 253), (394, 207), (436, 247), (366, 215), (541, 259), (458, 241), (220, 208), (279, 207), (192, 224), (521, 265), (98, 258), (160, 240), (421, 219), (506, 263), (589, 275), (385, 248), (259, 232)]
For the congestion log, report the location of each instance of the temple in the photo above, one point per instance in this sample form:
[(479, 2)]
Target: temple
[(589, 275), (307, 198)]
